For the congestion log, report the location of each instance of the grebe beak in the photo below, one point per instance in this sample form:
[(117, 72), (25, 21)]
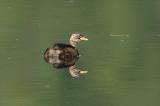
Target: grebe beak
[(83, 38)]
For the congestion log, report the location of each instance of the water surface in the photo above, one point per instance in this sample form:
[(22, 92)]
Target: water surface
[(122, 54)]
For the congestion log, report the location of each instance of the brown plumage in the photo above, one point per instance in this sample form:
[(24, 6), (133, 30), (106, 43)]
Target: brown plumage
[(67, 57)]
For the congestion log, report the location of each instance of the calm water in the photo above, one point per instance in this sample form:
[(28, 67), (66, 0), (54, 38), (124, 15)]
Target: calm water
[(122, 54)]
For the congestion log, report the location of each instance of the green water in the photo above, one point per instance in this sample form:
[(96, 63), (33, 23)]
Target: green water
[(122, 54)]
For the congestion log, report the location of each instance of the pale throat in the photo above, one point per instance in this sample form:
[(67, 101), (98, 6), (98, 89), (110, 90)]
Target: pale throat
[(73, 43)]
